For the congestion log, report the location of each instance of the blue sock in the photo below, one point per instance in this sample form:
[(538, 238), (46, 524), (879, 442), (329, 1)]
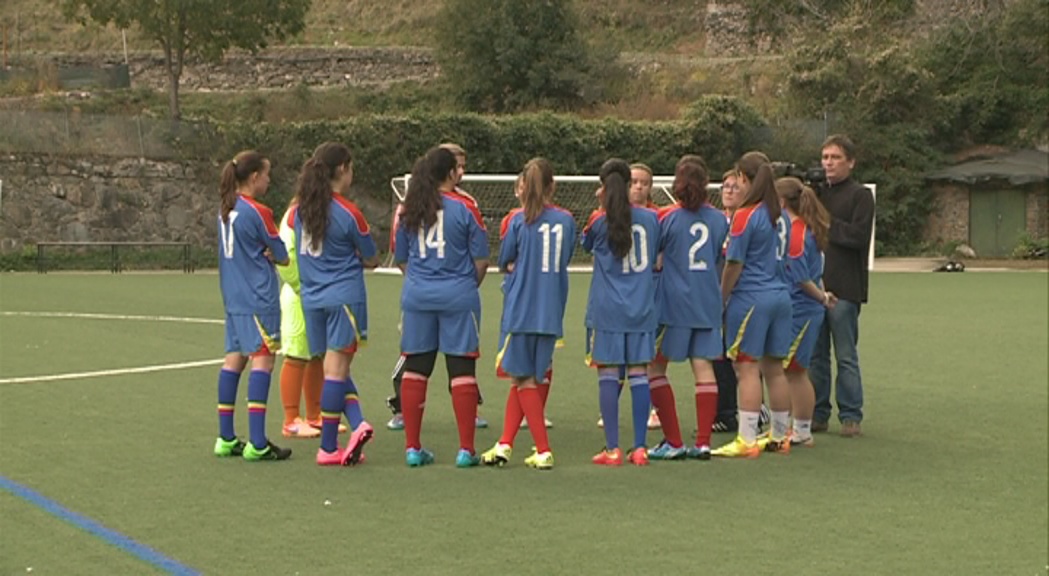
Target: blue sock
[(258, 394), (608, 399), (228, 381), (641, 403), (352, 408), (332, 403)]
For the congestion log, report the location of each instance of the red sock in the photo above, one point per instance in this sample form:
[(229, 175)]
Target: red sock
[(464, 402), (544, 386), (706, 411), (663, 400), (413, 401), (532, 405), (512, 418)]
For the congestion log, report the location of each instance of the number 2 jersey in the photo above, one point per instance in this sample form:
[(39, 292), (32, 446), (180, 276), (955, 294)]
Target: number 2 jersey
[(247, 278), (690, 284), (441, 273), (536, 292), (623, 290), (761, 247), (332, 273)]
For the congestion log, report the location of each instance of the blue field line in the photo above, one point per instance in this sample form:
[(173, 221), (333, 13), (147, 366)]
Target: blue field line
[(141, 551)]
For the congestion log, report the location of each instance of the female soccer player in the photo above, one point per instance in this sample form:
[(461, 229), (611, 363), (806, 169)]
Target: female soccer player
[(810, 229), (758, 311), (442, 246), (335, 245), (249, 245), (534, 298), (689, 297), (621, 315)]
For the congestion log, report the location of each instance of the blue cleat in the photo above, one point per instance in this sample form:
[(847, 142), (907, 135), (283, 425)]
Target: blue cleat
[(664, 451), (466, 459), (415, 458)]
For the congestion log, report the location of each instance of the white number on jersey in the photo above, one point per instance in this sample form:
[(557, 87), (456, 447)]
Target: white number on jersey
[(704, 235), (637, 259), (558, 231), (433, 238), (226, 230), (306, 245), (781, 230)]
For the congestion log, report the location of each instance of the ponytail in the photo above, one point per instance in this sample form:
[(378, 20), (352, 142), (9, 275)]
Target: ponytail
[(314, 188), (756, 167), (690, 184), (803, 201), (538, 188), (422, 200), (234, 174), (615, 179)]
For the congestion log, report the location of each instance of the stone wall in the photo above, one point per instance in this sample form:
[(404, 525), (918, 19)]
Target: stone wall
[(50, 198), (949, 219)]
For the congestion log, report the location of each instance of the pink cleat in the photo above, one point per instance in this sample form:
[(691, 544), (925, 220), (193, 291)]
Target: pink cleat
[(353, 454), (329, 458)]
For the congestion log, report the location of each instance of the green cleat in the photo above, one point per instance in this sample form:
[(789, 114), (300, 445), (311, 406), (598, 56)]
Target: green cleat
[(540, 461), (226, 448), (270, 452)]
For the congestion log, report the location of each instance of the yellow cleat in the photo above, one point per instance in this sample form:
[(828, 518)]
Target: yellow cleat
[(499, 455), (540, 461), (738, 449)]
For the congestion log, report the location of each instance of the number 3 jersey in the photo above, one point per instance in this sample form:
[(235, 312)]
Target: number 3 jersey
[(761, 247), (690, 284), (623, 290), (441, 274), (332, 273), (536, 292), (246, 277)]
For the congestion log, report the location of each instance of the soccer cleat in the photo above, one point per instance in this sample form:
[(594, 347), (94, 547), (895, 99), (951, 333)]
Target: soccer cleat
[(546, 422), (664, 451), (466, 459), (396, 423), (318, 424), (480, 422), (738, 449), (299, 429), (608, 458), (781, 446), (639, 456), (699, 452), (329, 458), (415, 458), (653, 420), (806, 442), (270, 452), (600, 422), (540, 461), (499, 455), (355, 446), (224, 448)]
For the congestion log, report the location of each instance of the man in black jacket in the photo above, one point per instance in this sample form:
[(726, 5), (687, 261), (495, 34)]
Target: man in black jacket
[(851, 206)]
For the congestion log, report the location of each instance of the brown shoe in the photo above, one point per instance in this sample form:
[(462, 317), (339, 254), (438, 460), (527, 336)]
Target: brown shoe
[(850, 429), (818, 426)]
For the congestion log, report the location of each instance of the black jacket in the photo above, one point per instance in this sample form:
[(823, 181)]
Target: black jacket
[(851, 207)]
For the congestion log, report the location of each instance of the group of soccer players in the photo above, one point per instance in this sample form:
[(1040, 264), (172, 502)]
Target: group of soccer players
[(686, 282)]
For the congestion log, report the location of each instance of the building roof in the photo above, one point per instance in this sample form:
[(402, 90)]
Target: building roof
[(1020, 167)]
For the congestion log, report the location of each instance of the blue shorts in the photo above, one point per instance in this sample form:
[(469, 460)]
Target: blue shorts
[(619, 348), (253, 334), (680, 343), (806, 330), (455, 333), (340, 328), (758, 324), (526, 355)]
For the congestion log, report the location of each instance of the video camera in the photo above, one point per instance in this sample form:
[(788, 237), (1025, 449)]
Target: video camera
[(814, 178)]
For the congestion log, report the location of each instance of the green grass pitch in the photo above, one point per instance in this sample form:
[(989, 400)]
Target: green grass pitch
[(950, 477)]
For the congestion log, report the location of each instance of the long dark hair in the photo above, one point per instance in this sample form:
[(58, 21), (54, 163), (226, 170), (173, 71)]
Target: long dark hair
[(690, 183), (235, 173), (538, 188), (423, 197), (803, 201), (615, 179), (314, 188), (756, 167)]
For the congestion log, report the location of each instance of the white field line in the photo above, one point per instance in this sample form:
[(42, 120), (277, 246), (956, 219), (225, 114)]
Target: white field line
[(114, 372), (90, 316)]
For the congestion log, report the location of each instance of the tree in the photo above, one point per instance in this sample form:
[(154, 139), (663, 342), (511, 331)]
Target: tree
[(508, 55), (203, 28)]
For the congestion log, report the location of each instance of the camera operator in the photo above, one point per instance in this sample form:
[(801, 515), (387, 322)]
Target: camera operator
[(851, 206)]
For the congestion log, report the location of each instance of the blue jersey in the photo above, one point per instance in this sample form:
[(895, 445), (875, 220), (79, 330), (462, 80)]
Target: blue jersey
[(623, 290), (760, 246), (441, 273), (534, 300), (690, 285), (246, 277), (333, 273), (804, 263)]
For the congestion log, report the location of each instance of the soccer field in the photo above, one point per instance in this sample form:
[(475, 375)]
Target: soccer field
[(949, 478)]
